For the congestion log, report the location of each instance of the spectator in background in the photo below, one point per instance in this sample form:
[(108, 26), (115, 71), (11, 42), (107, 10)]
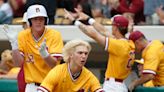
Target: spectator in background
[(100, 8), (160, 13), (72, 76), (17, 7), (81, 5), (132, 9), (6, 14), (70, 4), (97, 8), (106, 8), (85, 7), (152, 11), (50, 6)]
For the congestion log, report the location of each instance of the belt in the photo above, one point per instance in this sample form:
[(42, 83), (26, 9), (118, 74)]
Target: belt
[(37, 84), (117, 80)]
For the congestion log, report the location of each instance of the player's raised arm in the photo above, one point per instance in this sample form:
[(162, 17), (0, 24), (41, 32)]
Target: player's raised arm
[(99, 27), (12, 37), (86, 29)]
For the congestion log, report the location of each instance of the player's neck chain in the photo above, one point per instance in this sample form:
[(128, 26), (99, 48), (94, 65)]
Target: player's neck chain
[(76, 75)]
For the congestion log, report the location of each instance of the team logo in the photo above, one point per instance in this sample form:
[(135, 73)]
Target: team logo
[(37, 10), (30, 58)]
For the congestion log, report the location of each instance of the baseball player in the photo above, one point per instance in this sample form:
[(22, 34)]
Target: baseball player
[(38, 47), (72, 76), (121, 50), (153, 55)]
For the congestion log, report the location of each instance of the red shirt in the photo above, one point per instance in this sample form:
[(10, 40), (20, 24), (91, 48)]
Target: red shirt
[(133, 6)]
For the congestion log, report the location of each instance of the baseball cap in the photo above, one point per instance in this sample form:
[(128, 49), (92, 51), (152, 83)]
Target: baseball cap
[(135, 35), (120, 21)]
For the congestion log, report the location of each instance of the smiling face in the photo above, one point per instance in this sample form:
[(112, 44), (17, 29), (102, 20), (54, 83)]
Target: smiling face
[(79, 56)]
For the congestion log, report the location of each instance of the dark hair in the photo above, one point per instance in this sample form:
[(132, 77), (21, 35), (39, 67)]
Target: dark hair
[(143, 37), (45, 23), (5, 1), (86, 8), (123, 30)]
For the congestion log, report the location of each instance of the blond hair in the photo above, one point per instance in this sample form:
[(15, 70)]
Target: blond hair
[(70, 46)]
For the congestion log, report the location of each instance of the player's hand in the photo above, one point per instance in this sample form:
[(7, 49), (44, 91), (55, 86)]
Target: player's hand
[(81, 15), (68, 15), (11, 35), (43, 49), (131, 87)]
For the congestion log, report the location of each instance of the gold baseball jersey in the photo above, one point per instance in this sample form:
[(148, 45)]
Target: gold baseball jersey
[(121, 57), (153, 56), (59, 79), (35, 67), (148, 84), (14, 70)]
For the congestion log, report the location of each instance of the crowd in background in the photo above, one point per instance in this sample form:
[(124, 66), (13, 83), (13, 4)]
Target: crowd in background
[(141, 12)]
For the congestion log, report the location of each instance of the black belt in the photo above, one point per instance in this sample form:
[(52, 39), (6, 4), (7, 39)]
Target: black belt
[(117, 80), (37, 84), (159, 85)]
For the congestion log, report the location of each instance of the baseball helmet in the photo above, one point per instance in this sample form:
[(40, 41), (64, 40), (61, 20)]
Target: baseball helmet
[(36, 11)]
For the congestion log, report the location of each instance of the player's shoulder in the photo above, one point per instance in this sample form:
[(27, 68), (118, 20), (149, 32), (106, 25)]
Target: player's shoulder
[(155, 45), (61, 67), (24, 32), (87, 72), (157, 42), (52, 31)]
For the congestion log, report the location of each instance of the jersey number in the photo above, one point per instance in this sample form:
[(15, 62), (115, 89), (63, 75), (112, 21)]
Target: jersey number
[(30, 58)]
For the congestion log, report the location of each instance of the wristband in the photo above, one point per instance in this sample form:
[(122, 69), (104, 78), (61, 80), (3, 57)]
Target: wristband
[(77, 23), (91, 21), (44, 54)]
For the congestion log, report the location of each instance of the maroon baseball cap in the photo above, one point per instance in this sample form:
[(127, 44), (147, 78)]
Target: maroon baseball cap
[(135, 35), (120, 21)]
